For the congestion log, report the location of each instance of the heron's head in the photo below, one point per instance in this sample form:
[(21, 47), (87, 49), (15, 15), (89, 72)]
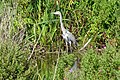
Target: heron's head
[(57, 13)]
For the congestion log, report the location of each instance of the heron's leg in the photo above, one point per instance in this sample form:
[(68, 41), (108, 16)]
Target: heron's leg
[(70, 46), (66, 46)]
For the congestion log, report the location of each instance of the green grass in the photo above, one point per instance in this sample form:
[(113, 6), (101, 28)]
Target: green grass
[(29, 28), (93, 65)]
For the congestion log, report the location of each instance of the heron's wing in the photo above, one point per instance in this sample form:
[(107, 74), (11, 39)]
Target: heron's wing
[(71, 36)]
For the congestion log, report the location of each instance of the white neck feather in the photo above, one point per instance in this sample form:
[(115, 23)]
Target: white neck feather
[(62, 26)]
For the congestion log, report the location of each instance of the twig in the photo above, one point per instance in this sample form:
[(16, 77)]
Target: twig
[(86, 44), (56, 68), (34, 47)]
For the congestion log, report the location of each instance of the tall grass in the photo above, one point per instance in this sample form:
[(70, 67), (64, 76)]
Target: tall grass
[(92, 65), (31, 46)]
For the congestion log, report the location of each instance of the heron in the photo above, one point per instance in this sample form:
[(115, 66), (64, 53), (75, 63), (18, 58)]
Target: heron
[(67, 36)]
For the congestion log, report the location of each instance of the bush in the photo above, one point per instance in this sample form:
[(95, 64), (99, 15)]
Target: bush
[(28, 26), (12, 60), (104, 66)]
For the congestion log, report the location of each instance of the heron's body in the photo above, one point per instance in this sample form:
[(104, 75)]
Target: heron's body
[(69, 37)]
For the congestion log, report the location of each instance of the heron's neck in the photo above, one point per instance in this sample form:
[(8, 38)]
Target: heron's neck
[(62, 26)]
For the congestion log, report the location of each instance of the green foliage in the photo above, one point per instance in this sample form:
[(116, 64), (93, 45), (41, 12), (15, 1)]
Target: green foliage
[(64, 62), (37, 17), (90, 17), (104, 66), (28, 23), (11, 61)]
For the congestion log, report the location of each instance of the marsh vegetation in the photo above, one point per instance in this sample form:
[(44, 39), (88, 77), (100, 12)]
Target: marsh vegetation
[(31, 46)]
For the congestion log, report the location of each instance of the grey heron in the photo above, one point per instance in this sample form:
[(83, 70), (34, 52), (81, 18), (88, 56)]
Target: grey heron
[(67, 36)]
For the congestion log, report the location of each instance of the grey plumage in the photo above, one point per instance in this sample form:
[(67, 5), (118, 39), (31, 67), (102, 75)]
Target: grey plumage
[(69, 37)]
